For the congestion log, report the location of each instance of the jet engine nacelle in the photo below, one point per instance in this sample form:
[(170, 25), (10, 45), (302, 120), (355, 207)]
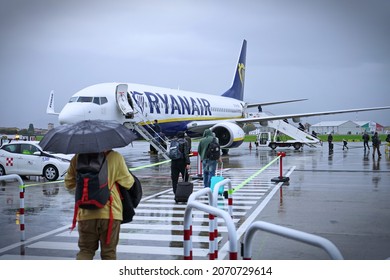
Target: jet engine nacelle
[(229, 134), (263, 123), (296, 119)]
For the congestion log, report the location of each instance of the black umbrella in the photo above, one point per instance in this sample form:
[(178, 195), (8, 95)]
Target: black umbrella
[(90, 136)]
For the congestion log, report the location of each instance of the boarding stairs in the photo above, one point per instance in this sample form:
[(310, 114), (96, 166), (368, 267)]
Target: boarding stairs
[(133, 113), (148, 133), (156, 141), (291, 131)]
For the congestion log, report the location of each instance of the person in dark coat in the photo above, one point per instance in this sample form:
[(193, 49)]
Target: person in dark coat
[(366, 138), (376, 144), (330, 141), (181, 165)]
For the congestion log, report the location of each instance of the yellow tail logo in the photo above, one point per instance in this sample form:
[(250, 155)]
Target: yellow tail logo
[(241, 72)]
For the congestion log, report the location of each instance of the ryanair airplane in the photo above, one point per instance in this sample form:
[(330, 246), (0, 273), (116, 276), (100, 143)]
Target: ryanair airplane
[(176, 110)]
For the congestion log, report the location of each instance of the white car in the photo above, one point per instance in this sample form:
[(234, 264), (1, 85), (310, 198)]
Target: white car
[(26, 158)]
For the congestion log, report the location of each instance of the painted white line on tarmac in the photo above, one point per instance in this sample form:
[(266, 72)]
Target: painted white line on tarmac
[(151, 250), (242, 229)]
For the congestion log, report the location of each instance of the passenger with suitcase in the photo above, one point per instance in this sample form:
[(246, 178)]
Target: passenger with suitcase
[(180, 161), (209, 165)]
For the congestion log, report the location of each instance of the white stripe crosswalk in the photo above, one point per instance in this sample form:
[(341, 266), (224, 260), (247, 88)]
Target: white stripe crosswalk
[(157, 229)]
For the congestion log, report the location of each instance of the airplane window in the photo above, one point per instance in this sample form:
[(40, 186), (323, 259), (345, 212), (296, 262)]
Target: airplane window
[(96, 100), (73, 99), (85, 99), (103, 100)]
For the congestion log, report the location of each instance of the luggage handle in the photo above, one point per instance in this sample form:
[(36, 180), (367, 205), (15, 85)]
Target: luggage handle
[(185, 177), (221, 169)]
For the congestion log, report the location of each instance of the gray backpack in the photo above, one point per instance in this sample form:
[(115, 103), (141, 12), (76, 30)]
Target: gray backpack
[(176, 150)]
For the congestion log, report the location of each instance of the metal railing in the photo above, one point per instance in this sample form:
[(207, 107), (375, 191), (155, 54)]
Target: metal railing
[(232, 234), (301, 236)]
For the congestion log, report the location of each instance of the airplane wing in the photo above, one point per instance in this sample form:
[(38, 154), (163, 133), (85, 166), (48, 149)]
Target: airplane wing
[(251, 105), (302, 115), (198, 127)]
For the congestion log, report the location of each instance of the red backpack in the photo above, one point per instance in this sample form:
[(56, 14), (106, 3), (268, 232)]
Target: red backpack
[(92, 190)]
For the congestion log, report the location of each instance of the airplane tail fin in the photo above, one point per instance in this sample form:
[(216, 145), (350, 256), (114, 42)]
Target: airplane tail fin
[(237, 89), (50, 105)]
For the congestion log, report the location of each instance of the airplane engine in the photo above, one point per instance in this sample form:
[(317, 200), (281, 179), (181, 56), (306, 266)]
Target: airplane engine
[(229, 134), (296, 119), (263, 123)]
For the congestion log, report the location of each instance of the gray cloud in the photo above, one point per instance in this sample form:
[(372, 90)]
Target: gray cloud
[(336, 53)]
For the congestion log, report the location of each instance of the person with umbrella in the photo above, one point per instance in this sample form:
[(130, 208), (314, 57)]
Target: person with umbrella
[(99, 226)]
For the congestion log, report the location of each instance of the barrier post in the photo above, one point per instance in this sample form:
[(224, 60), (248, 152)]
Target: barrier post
[(21, 201), (232, 234), (212, 224), (215, 202), (281, 178)]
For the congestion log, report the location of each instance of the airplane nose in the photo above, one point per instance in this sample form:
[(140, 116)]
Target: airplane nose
[(70, 115)]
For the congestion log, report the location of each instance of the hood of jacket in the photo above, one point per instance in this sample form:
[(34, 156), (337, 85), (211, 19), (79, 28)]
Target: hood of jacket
[(207, 132)]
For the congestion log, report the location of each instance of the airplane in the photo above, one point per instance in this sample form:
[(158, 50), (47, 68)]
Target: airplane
[(177, 110)]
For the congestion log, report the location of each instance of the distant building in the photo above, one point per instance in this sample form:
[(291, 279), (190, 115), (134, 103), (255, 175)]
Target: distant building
[(367, 126), (50, 126), (371, 127), (347, 127), (336, 127)]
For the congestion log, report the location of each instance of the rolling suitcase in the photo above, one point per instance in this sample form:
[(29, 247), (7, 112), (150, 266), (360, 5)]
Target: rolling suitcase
[(216, 179), (183, 191)]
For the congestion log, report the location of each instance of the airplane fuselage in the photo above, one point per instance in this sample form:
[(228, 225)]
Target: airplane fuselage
[(174, 109)]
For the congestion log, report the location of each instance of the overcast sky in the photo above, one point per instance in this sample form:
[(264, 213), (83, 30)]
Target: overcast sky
[(335, 53)]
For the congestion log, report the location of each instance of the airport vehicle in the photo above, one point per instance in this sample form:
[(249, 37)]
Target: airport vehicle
[(137, 106), (285, 134), (276, 139), (26, 158)]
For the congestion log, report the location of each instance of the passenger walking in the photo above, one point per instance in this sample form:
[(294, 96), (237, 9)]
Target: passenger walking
[(180, 164), (208, 165), (94, 225), (345, 143), (156, 127), (376, 144), (366, 138), (330, 141)]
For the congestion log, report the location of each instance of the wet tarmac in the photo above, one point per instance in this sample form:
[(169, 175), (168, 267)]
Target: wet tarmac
[(343, 196)]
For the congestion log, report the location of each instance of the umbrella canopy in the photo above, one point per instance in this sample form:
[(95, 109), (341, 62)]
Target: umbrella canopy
[(89, 136)]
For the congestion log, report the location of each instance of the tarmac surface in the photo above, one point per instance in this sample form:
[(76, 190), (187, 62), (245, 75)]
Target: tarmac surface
[(341, 196)]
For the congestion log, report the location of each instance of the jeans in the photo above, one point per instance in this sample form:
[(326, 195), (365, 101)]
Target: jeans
[(209, 167)]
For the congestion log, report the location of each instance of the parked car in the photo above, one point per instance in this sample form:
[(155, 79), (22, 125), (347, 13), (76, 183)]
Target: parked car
[(26, 158)]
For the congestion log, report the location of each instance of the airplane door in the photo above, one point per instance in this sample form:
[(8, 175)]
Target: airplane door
[(122, 101)]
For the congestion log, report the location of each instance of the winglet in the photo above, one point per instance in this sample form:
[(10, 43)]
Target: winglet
[(237, 89), (50, 105)]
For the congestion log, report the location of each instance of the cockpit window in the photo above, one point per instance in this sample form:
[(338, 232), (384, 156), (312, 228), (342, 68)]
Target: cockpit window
[(85, 99), (96, 100), (103, 100)]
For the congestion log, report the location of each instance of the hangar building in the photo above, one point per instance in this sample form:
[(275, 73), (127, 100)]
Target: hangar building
[(337, 127)]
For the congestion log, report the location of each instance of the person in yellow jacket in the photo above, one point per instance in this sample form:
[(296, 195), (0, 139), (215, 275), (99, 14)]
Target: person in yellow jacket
[(93, 225)]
